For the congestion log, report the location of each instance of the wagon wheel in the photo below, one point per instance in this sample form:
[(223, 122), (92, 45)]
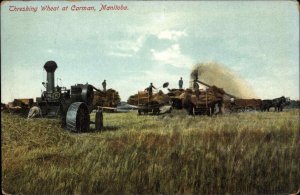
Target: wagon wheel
[(190, 109), (78, 118), (207, 111), (156, 111), (211, 111)]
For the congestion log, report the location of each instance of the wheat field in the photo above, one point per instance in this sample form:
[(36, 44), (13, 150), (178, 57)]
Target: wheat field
[(247, 153)]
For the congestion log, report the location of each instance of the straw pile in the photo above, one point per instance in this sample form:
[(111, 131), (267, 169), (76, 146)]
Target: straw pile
[(142, 98), (161, 98), (212, 94), (109, 98), (175, 92), (133, 100)]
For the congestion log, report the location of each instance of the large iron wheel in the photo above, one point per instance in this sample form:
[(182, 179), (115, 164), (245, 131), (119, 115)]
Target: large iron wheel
[(78, 118), (87, 94)]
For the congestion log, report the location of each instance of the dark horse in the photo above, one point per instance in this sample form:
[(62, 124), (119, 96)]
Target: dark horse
[(277, 103), (266, 105)]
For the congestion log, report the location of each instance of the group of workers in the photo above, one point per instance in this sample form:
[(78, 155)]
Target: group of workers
[(151, 87), (180, 84)]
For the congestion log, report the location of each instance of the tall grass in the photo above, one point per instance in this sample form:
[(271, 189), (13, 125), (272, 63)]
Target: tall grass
[(236, 153)]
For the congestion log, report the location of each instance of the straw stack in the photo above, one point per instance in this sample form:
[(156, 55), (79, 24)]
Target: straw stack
[(109, 98), (142, 98)]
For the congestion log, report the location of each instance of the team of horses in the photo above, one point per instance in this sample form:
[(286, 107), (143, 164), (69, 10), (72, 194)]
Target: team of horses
[(277, 103), (217, 103), (257, 104), (241, 105)]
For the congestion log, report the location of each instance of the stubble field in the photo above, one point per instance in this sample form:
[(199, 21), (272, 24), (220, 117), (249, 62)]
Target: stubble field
[(250, 153)]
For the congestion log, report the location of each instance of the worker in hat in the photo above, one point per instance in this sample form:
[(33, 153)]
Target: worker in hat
[(150, 89), (180, 83), (196, 88), (104, 85)]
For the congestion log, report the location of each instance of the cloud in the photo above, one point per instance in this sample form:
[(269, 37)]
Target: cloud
[(126, 48), (13, 86), (171, 34), (119, 54), (172, 56), (130, 45)]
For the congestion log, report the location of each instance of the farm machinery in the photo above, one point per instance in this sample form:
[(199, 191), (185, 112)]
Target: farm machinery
[(19, 106), (199, 101), (108, 100), (73, 105), (236, 105), (174, 95), (158, 103)]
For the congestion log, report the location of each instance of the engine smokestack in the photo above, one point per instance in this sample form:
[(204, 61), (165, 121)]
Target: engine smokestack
[(50, 68)]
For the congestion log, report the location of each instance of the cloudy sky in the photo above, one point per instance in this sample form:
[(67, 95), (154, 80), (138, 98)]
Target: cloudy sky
[(150, 42)]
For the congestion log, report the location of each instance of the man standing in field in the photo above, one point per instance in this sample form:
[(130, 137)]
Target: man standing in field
[(180, 83), (104, 85)]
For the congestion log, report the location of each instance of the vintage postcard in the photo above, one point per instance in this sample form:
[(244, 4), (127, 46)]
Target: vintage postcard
[(150, 97)]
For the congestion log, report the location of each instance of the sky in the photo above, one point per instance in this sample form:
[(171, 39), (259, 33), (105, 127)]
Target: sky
[(150, 42)]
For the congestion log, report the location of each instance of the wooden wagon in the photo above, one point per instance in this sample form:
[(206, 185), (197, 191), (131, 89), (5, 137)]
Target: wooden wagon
[(158, 103), (236, 105)]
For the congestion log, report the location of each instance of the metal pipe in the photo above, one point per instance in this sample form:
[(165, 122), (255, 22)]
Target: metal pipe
[(207, 85), (96, 88), (50, 68), (50, 82)]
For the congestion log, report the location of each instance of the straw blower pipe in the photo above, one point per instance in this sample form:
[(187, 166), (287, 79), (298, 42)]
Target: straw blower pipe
[(207, 85)]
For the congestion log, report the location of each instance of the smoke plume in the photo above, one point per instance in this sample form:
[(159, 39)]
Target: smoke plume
[(216, 74)]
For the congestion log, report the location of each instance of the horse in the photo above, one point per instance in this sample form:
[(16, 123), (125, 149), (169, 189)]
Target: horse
[(266, 105), (279, 103)]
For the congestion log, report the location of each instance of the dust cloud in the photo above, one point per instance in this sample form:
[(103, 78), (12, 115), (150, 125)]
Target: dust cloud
[(217, 74)]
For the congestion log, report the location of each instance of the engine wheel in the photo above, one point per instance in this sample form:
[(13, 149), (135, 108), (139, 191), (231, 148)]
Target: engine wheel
[(78, 118)]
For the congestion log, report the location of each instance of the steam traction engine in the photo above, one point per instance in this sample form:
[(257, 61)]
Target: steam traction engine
[(73, 105)]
